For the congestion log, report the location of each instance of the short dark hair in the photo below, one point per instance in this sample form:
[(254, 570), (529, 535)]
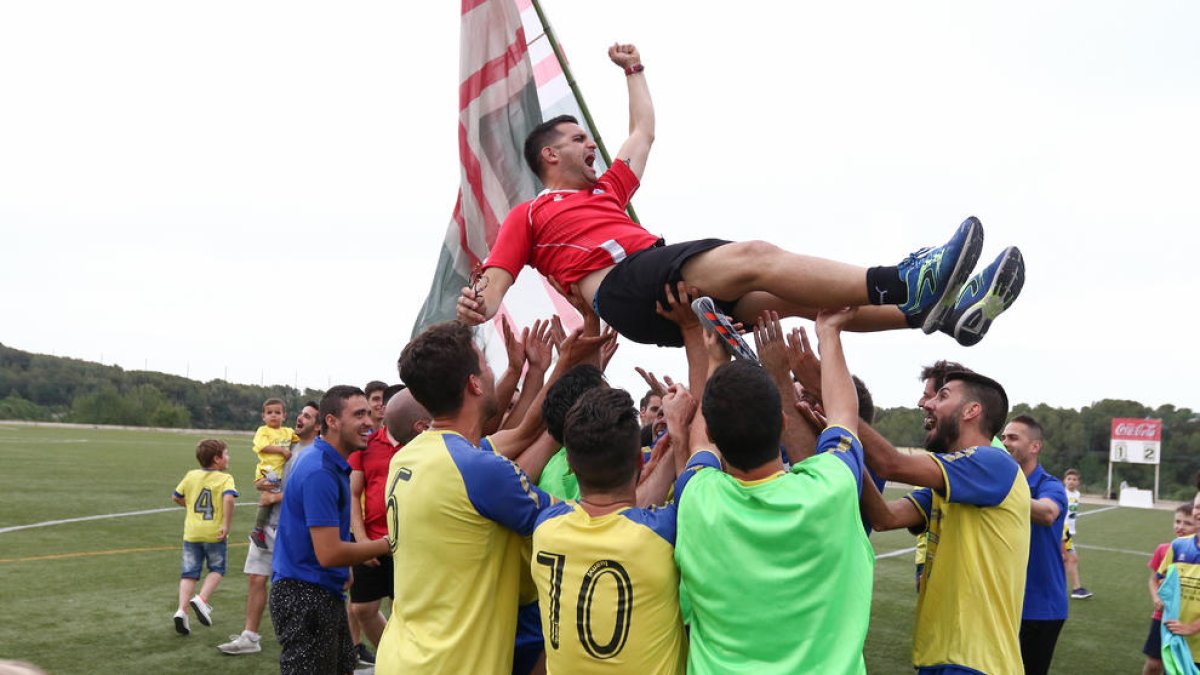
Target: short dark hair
[(988, 394), (603, 439), (1033, 425), (313, 404), (866, 403), (937, 371), (564, 393), (334, 401), (208, 450), (1075, 472), (437, 364), (374, 386), (273, 401), (1184, 508), (541, 136), (744, 414), (646, 399), (392, 390)]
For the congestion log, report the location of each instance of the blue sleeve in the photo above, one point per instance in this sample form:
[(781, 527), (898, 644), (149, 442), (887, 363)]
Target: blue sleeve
[(500, 491), (1052, 489), (845, 446), (320, 500), (698, 460), (982, 476), (923, 500)]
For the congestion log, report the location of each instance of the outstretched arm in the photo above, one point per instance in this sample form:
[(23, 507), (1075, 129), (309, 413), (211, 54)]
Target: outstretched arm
[(798, 438), (636, 148), (837, 389)]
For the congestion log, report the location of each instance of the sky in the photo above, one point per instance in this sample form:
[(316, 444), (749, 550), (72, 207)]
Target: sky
[(259, 191)]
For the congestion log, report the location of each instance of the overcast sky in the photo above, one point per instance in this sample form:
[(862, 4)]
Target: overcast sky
[(259, 190)]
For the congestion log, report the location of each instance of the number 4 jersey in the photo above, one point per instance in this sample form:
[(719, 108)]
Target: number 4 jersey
[(204, 491), (608, 589)]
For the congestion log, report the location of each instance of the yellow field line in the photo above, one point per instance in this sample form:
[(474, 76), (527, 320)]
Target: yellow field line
[(89, 554)]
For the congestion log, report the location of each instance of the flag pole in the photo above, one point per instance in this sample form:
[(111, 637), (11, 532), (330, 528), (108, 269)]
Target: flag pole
[(587, 115)]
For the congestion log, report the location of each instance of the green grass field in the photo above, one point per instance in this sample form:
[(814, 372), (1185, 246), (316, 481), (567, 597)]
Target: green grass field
[(97, 596)]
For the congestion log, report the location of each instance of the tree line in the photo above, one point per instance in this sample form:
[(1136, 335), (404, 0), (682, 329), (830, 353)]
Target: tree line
[(50, 388), (39, 387)]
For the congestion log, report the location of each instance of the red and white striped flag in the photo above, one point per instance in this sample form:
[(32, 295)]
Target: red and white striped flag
[(506, 86)]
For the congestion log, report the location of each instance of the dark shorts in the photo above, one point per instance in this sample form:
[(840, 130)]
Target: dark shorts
[(1153, 646), (311, 625), (1038, 639), (626, 297), (529, 644), (373, 583)]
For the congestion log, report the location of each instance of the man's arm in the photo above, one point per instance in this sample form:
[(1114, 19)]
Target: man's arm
[(1043, 511), (539, 352), (333, 552), (358, 481), (479, 303), (226, 515), (276, 450), (838, 396), (890, 464), (636, 148), (884, 515), (533, 460), (798, 438)]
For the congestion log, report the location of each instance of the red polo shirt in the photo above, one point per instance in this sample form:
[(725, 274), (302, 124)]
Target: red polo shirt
[(373, 462)]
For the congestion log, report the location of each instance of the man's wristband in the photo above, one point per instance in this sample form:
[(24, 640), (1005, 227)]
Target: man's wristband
[(635, 68)]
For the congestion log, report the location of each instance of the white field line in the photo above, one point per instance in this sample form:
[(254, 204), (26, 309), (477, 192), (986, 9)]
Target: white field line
[(64, 521), (912, 549)]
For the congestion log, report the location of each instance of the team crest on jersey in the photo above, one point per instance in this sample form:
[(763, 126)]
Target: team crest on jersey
[(598, 191)]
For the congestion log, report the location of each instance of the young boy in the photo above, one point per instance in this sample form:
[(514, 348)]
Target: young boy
[(1070, 557), (1184, 527), (207, 494), (272, 444), (1184, 553)]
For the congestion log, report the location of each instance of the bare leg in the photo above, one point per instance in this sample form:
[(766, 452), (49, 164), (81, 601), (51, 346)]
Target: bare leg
[(187, 587), (868, 319), (355, 627), (1072, 563), (740, 268), (256, 600), (370, 618), (1152, 667), (210, 585)]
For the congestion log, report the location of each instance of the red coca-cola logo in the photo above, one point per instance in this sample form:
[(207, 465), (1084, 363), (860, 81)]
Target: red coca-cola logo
[(1136, 430)]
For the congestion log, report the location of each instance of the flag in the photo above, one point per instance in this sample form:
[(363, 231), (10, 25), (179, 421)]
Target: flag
[(507, 86)]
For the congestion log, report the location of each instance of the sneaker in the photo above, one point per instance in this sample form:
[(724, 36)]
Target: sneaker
[(934, 275), (181, 623), (258, 537), (716, 322), (365, 657), (1081, 593), (985, 297), (202, 609), (241, 644)]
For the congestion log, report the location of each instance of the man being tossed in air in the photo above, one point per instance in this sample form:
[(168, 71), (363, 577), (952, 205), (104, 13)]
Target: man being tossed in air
[(577, 233)]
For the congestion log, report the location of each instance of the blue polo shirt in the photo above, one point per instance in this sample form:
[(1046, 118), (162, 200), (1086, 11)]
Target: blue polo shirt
[(1045, 580), (317, 495)]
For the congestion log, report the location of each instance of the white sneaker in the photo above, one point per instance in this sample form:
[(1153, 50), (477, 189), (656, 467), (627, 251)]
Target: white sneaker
[(241, 644), (202, 609), (181, 623)]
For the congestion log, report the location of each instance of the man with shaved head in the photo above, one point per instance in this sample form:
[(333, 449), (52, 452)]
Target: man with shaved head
[(403, 418)]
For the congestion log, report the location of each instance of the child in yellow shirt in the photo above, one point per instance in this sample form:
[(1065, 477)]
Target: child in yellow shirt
[(272, 445)]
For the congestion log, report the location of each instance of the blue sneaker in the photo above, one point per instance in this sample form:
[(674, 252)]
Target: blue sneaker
[(934, 276), (985, 297)]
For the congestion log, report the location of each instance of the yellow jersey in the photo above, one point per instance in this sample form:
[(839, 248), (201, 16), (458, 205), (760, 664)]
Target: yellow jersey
[(203, 491), (282, 437)]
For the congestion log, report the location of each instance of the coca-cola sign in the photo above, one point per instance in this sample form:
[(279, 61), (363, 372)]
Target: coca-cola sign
[(1125, 429)]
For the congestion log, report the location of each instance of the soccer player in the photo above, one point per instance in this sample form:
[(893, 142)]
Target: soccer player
[(207, 493), (258, 561), (1045, 608), (974, 502), (577, 232), (765, 555), (403, 419), (457, 513), (1070, 556), (1184, 553), (313, 551), (605, 571), (272, 445), (1184, 526)]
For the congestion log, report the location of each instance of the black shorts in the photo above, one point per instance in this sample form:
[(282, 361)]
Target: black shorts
[(1153, 646), (373, 583), (311, 625), (626, 297)]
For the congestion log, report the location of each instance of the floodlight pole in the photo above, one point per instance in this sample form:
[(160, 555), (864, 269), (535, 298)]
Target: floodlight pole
[(587, 115)]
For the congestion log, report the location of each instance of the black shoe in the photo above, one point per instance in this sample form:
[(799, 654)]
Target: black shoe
[(365, 657)]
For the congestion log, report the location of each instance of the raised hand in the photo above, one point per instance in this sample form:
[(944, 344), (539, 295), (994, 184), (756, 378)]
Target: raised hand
[(591, 322), (679, 306), (678, 407), (803, 361), (770, 345), (624, 55), (656, 387), (539, 348), (835, 319), (514, 347), (471, 309)]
